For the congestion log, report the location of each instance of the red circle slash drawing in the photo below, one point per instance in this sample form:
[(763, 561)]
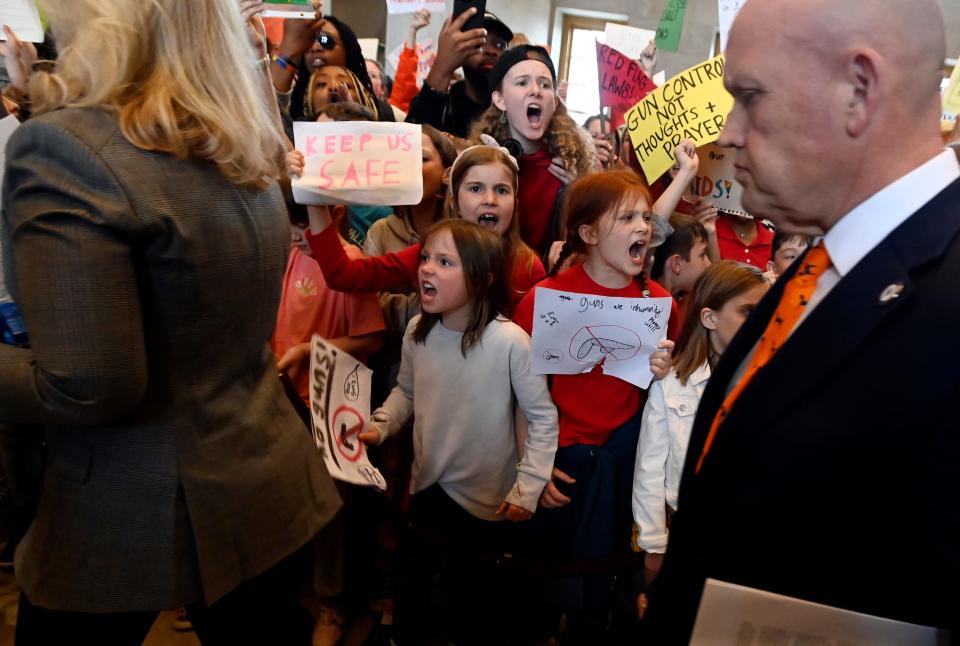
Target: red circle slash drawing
[(608, 342), (347, 424)]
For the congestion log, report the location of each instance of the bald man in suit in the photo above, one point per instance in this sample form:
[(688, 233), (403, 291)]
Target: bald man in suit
[(826, 469)]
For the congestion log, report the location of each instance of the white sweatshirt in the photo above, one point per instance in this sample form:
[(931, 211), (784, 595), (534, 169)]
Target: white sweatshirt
[(463, 432)]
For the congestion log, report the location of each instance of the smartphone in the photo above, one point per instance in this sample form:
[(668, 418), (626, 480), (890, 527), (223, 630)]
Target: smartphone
[(476, 21)]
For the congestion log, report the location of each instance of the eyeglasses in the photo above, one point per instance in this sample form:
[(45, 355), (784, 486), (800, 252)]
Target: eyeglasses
[(327, 41)]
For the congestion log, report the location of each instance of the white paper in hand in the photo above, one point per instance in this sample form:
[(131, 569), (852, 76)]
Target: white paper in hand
[(340, 410), (359, 162), (573, 332), (23, 18)]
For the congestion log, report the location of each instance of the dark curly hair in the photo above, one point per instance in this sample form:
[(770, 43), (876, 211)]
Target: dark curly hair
[(355, 63)]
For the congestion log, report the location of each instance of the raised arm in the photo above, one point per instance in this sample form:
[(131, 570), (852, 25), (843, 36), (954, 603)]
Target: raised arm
[(368, 274), (682, 174)]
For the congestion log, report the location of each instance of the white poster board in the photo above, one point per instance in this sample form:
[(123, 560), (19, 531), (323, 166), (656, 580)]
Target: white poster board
[(340, 411), (734, 614), (426, 55), (573, 332), (359, 162), (629, 41), (369, 47), (727, 11), (715, 180), (23, 19), (410, 6)]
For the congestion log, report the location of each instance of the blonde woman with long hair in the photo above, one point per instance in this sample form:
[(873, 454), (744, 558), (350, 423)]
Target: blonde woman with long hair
[(145, 239)]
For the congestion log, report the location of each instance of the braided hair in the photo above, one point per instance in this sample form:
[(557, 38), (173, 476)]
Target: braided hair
[(355, 62), (588, 200)]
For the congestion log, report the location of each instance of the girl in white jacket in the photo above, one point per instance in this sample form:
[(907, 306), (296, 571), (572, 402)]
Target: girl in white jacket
[(720, 302)]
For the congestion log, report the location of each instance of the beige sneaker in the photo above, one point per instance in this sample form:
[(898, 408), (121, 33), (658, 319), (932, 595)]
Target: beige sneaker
[(329, 627)]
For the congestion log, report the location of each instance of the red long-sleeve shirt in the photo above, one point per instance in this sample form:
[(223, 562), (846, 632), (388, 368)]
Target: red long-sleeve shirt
[(394, 270), (592, 405), (405, 81)]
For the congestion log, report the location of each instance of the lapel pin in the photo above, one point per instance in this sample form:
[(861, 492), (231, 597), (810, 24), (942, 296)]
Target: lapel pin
[(891, 292)]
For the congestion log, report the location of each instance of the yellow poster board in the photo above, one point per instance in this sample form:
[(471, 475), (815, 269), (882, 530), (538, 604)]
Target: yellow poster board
[(691, 105), (951, 98)]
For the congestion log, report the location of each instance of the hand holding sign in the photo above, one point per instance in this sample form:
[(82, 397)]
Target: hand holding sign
[(340, 410), (573, 333), (359, 162), (622, 82)]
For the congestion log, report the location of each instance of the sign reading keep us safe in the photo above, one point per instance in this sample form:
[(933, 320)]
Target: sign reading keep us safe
[(359, 162)]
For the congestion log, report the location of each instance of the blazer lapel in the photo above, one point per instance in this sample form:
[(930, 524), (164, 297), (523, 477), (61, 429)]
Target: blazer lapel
[(848, 314)]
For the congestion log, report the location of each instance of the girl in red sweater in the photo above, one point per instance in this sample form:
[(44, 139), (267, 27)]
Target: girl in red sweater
[(586, 509), (483, 189)]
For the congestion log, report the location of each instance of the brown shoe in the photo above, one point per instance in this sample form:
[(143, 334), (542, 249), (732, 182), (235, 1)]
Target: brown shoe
[(329, 627)]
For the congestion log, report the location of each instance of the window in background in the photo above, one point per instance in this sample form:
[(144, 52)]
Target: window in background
[(578, 64)]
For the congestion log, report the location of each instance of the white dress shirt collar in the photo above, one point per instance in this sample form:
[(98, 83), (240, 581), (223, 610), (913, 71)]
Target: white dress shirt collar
[(863, 228)]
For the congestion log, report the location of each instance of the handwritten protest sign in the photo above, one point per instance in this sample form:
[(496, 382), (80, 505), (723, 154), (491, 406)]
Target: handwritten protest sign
[(23, 18), (727, 11), (691, 105), (409, 6), (288, 9), (369, 47), (622, 82), (671, 24), (426, 55), (715, 182), (573, 332), (359, 162), (951, 97), (627, 40), (340, 410)]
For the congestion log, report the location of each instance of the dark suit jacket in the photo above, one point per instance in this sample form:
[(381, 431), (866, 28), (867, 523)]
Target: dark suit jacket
[(149, 286), (836, 476)]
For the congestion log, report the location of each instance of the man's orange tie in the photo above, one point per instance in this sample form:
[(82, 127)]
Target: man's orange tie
[(796, 295)]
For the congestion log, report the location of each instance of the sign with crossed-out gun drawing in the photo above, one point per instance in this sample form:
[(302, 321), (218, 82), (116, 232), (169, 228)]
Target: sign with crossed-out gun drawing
[(572, 333)]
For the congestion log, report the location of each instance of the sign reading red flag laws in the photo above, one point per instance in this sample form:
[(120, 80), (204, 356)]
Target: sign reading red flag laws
[(622, 82)]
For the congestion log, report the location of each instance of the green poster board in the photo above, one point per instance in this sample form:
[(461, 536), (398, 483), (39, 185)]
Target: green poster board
[(671, 24)]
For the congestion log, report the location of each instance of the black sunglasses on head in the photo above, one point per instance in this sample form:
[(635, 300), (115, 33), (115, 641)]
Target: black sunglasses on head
[(326, 41)]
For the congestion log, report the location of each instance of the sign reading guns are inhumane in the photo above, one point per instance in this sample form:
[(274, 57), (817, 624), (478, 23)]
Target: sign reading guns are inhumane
[(573, 332), (359, 162), (691, 105), (340, 411)]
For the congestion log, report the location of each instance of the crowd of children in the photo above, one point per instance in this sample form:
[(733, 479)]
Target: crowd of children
[(524, 490), (517, 495)]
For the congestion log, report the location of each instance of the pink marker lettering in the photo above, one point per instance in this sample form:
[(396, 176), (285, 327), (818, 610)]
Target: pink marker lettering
[(388, 170)]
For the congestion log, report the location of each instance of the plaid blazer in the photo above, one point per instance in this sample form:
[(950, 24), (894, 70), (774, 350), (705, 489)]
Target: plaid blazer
[(149, 287)]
